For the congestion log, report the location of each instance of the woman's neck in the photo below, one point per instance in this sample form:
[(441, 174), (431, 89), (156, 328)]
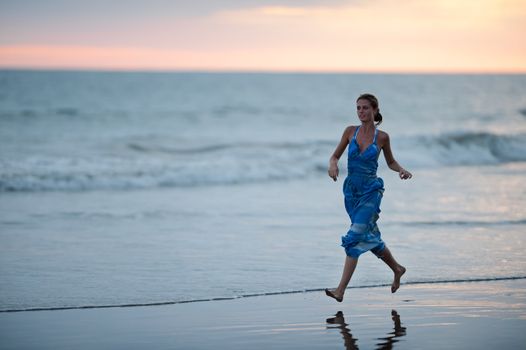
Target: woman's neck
[(367, 126)]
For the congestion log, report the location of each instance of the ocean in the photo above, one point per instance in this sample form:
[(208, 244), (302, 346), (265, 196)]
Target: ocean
[(127, 188)]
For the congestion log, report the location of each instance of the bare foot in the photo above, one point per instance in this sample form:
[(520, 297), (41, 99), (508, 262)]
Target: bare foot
[(397, 276), (334, 294)]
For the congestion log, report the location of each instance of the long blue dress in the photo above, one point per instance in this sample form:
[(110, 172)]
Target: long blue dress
[(363, 192)]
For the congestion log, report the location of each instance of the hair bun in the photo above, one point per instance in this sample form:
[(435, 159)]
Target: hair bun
[(378, 118)]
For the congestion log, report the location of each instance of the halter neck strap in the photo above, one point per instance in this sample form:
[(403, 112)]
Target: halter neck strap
[(356, 132), (358, 128)]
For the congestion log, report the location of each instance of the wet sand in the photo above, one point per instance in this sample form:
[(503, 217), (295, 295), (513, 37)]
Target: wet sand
[(461, 315)]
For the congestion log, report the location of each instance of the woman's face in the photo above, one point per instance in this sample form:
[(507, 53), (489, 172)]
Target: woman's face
[(365, 111)]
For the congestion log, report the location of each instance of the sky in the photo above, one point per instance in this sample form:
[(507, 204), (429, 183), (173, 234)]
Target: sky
[(277, 35)]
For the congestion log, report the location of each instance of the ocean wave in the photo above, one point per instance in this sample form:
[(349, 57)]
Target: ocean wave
[(159, 166), (139, 163), (475, 148), (463, 148), (460, 223), (222, 147), (311, 290)]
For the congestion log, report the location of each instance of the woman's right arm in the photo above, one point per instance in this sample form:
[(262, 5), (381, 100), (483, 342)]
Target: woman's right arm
[(333, 162)]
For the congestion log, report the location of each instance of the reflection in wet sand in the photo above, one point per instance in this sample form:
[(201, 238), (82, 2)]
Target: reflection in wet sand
[(398, 331), (350, 342)]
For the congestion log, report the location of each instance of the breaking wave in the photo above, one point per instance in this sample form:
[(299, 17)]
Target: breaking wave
[(150, 164)]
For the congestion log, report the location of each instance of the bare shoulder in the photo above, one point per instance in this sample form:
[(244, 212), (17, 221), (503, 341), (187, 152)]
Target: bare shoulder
[(383, 138), (350, 128), (349, 131)]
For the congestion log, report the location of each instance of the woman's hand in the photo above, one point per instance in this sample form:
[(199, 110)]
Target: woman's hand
[(404, 174), (333, 171)]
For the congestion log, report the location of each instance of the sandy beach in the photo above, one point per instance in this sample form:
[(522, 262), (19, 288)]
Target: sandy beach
[(460, 315)]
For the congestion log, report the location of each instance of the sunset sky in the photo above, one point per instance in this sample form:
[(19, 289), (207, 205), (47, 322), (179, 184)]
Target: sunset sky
[(274, 35)]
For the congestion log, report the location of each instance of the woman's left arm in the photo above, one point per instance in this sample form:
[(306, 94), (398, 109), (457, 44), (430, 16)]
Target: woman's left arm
[(385, 144)]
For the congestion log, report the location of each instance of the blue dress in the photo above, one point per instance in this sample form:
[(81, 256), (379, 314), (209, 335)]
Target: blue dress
[(363, 192)]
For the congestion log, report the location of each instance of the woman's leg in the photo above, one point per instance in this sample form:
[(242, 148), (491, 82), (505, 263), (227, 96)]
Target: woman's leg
[(348, 270), (398, 269)]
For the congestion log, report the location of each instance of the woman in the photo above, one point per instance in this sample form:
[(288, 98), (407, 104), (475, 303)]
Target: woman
[(363, 191)]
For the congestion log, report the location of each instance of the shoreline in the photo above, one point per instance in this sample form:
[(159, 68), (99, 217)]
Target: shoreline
[(162, 303), (430, 316)]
